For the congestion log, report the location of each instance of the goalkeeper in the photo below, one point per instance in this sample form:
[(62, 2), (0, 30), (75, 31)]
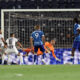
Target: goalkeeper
[(49, 47)]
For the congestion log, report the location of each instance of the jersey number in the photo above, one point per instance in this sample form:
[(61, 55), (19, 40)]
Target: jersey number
[(36, 35), (10, 44)]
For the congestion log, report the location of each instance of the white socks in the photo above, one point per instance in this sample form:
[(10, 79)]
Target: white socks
[(9, 60), (3, 57), (21, 59)]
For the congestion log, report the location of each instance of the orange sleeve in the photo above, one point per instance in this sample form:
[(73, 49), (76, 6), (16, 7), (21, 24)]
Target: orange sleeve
[(46, 43), (52, 50), (27, 50), (53, 53)]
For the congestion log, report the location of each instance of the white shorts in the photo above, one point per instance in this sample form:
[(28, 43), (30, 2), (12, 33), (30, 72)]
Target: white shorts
[(13, 50)]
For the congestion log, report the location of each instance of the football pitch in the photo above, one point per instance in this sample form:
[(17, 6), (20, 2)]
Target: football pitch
[(40, 72)]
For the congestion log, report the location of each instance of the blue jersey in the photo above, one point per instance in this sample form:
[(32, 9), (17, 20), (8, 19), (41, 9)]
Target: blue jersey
[(77, 38), (75, 27), (37, 37)]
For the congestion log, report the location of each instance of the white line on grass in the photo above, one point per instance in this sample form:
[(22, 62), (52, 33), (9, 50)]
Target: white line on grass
[(19, 75)]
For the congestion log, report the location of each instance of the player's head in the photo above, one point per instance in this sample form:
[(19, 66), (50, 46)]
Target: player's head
[(52, 42), (75, 20), (0, 31), (12, 35), (37, 27)]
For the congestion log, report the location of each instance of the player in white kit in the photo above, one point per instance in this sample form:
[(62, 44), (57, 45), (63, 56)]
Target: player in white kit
[(11, 48)]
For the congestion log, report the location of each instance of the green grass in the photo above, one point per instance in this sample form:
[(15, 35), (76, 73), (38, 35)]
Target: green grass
[(43, 72)]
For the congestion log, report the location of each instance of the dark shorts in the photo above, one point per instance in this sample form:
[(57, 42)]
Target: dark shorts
[(76, 44), (41, 48)]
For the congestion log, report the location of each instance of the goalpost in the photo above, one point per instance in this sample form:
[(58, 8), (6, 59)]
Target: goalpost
[(56, 24)]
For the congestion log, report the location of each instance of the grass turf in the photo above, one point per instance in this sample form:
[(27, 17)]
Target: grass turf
[(43, 72)]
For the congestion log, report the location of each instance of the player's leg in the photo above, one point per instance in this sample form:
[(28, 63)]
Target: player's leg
[(4, 54), (79, 54), (8, 52), (72, 53), (9, 59), (43, 50), (20, 56), (3, 58), (1, 52), (79, 51), (75, 46), (79, 46), (35, 53), (36, 49)]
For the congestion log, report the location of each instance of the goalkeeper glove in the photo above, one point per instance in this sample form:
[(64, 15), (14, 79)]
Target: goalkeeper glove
[(58, 59)]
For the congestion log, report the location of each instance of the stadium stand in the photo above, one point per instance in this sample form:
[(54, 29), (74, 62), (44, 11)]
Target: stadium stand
[(42, 4)]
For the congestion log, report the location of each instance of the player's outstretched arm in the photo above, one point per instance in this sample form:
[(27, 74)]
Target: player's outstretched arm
[(55, 56), (31, 42), (3, 40), (58, 59), (43, 39), (19, 44), (47, 49)]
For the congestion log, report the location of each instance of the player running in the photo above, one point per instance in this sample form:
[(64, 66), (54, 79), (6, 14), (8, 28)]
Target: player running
[(11, 48), (37, 40), (76, 35), (76, 44)]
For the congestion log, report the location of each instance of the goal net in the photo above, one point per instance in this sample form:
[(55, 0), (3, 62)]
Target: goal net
[(56, 24)]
